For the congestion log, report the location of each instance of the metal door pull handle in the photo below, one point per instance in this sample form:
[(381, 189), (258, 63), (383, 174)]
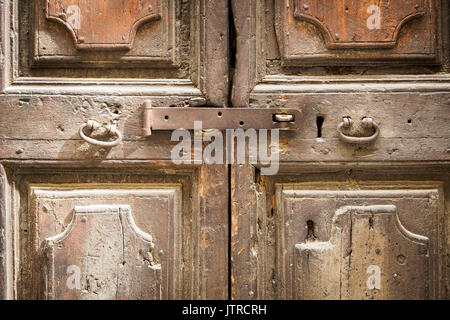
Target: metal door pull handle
[(366, 122), (111, 129)]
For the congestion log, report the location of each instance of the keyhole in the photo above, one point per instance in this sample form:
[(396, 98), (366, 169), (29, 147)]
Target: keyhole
[(310, 233), (319, 121)]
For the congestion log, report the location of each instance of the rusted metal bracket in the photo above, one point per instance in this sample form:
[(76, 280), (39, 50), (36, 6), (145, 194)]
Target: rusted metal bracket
[(219, 118)]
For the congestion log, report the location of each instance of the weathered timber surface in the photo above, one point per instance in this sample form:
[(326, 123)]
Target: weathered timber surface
[(326, 150), (105, 255), (327, 232), (3, 235), (176, 213)]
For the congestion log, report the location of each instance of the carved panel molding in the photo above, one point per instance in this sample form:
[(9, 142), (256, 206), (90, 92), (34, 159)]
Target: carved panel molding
[(363, 238), (347, 32), (102, 254), (92, 246), (103, 24), (360, 24), (81, 31), (334, 241), (134, 231)]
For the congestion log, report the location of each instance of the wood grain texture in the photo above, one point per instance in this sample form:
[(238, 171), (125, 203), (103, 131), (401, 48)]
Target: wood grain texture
[(3, 235), (182, 208), (244, 235), (214, 227), (330, 33), (279, 251), (86, 34), (181, 54), (333, 262), (281, 62), (60, 117), (216, 81), (271, 30), (4, 46), (93, 24), (151, 213), (402, 117), (362, 24), (243, 78), (102, 255)]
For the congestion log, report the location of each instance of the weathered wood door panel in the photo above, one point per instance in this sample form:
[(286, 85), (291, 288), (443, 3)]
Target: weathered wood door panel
[(358, 208), (102, 242), (116, 233), (83, 221), (358, 251), (340, 231), (115, 259)]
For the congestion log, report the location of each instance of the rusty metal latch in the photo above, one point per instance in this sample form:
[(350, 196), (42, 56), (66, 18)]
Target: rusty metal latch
[(218, 118)]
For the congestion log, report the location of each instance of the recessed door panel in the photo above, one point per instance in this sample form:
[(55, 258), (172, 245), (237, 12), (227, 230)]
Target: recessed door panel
[(93, 248), (118, 233), (367, 244), (334, 32)]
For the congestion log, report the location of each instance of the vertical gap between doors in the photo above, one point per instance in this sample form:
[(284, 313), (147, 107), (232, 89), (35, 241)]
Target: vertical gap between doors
[(232, 64)]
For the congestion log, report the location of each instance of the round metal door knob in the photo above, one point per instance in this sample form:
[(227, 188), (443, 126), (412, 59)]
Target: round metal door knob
[(92, 125), (366, 123)]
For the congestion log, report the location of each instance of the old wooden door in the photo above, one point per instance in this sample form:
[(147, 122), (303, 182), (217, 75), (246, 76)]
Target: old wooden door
[(357, 210), (81, 221)]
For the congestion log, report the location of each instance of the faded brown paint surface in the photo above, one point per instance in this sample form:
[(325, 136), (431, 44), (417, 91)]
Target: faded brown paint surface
[(102, 255), (366, 23), (99, 24), (357, 32)]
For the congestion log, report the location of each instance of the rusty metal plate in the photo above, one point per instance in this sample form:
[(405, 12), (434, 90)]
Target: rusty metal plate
[(221, 119), (364, 23), (103, 24)]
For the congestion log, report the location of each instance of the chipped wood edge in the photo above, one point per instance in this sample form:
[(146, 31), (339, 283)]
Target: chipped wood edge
[(244, 186), (244, 75), (4, 44), (215, 53), (3, 236)]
